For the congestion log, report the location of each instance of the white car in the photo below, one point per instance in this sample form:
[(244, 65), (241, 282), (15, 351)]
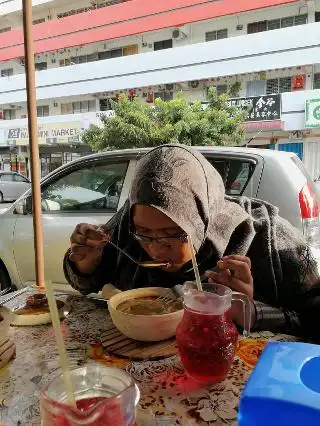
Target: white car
[(91, 189), (12, 185)]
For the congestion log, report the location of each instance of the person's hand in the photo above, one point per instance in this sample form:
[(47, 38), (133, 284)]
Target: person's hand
[(87, 243), (234, 272)]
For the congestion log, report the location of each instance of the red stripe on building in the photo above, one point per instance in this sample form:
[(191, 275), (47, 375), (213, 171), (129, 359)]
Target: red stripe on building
[(126, 19)]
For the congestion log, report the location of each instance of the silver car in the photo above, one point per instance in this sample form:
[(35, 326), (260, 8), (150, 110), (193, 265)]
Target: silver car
[(91, 189), (12, 185)]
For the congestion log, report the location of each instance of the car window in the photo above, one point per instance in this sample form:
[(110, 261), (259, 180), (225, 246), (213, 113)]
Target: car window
[(6, 177), (19, 178), (235, 174), (91, 188)]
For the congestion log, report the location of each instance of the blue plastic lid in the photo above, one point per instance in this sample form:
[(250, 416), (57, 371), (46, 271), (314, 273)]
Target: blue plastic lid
[(284, 387)]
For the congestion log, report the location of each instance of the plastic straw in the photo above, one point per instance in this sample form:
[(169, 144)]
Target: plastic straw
[(55, 318), (194, 264)]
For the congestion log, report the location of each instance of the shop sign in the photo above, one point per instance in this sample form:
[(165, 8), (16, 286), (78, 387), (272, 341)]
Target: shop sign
[(48, 133), (312, 113), (259, 108)]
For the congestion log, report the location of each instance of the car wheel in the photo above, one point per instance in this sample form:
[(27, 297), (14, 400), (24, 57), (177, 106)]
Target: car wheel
[(5, 281), (1, 197)]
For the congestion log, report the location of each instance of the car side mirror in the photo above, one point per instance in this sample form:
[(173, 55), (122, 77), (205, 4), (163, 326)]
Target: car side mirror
[(23, 206)]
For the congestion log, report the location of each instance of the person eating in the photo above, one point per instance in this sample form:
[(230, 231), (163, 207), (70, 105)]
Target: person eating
[(176, 192)]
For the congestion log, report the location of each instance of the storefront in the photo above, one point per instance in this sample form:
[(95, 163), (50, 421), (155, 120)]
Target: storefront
[(59, 143)]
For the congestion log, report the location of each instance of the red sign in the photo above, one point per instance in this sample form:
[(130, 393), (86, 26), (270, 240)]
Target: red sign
[(264, 125)]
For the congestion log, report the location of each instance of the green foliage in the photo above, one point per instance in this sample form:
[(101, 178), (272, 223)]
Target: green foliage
[(137, 124)]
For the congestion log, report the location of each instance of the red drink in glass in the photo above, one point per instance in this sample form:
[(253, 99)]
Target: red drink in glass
[(206, 335), (104, 397)]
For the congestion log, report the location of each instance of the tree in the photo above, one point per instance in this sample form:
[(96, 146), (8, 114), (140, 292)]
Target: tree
[(137, 124)]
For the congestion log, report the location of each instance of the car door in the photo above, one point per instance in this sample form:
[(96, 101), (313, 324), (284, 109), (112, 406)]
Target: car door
[(76, 195), (7, 186)]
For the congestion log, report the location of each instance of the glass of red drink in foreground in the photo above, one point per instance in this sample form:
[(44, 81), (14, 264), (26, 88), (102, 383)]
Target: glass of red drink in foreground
[(206, 335), (104, 397)]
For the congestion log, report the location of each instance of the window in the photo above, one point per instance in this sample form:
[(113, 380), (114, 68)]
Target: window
[(38, 21), (256, 88), (9, 114), (317, 16), (65, 62), (165, 96), (163, 44), (78, 107), (278, 85), (82, 59), (40, 66), (5, 29), (106, 104), (274, 24), (235, 174), (6, 177), (43, 111), (19, 178), (73, 12), (257, 27), (316, 81), (220, 89), (93, 187), (217, 34), (7, 72)]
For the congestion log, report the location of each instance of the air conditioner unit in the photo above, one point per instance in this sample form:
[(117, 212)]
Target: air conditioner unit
[(180, 33)]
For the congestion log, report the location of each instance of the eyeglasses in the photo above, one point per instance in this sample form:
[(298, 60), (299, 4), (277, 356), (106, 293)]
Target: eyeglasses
[(144, 239)]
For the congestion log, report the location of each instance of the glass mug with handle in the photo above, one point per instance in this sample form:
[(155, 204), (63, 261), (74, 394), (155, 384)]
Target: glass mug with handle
[(206, 336), (104, 396)]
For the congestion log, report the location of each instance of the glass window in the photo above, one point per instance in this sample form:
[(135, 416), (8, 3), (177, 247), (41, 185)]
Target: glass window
[(38, 21), (41, 66), (9, 114), (19, 178), (165, 96), (273, 24), (317, 16), (43, 111), (257, 27), (7, 72), (272, 86), (6, 177), (284, 84), (256, 88), (90, 188), (287, 22), (236, 174), (300, 19), (163, 44), (316, 81), (217, 34)]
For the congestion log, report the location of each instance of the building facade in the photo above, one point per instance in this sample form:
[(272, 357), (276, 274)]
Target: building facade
[(88, 52)]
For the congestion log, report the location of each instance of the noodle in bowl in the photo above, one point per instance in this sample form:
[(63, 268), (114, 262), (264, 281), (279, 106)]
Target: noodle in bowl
[(144, 326)]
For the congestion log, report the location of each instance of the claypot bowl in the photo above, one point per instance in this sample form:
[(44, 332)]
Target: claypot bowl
[(146, 328)]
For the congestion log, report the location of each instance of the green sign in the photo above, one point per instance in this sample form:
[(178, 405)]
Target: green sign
[(312, 113)]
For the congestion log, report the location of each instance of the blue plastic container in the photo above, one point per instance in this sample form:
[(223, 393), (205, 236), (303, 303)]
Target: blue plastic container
[(284, 387)]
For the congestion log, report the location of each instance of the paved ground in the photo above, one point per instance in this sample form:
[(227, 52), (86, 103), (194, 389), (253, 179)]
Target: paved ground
[(4, 206)]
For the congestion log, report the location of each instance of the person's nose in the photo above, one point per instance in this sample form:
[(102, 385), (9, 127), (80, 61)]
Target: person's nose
[(157, 250)]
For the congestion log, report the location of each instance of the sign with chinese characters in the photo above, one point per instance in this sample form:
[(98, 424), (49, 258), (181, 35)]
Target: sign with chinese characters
[(312, 113), (48, 134), (259, 108)]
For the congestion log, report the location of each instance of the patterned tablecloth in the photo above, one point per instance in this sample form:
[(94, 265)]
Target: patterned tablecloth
[(168, 397)]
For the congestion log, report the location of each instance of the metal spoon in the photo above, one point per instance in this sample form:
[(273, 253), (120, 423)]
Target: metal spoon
[(145, 264)]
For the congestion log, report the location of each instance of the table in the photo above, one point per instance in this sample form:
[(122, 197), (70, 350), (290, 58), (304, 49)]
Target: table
[(168, 397)]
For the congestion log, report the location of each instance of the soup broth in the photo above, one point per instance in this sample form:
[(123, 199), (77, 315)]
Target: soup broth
[(148, 306)]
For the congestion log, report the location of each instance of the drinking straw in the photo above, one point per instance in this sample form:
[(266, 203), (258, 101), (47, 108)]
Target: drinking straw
[(63, 358), (194, 264), (33, 142), (36, 195)]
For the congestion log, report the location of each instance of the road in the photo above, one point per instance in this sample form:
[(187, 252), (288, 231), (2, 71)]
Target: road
[(4, 206)]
